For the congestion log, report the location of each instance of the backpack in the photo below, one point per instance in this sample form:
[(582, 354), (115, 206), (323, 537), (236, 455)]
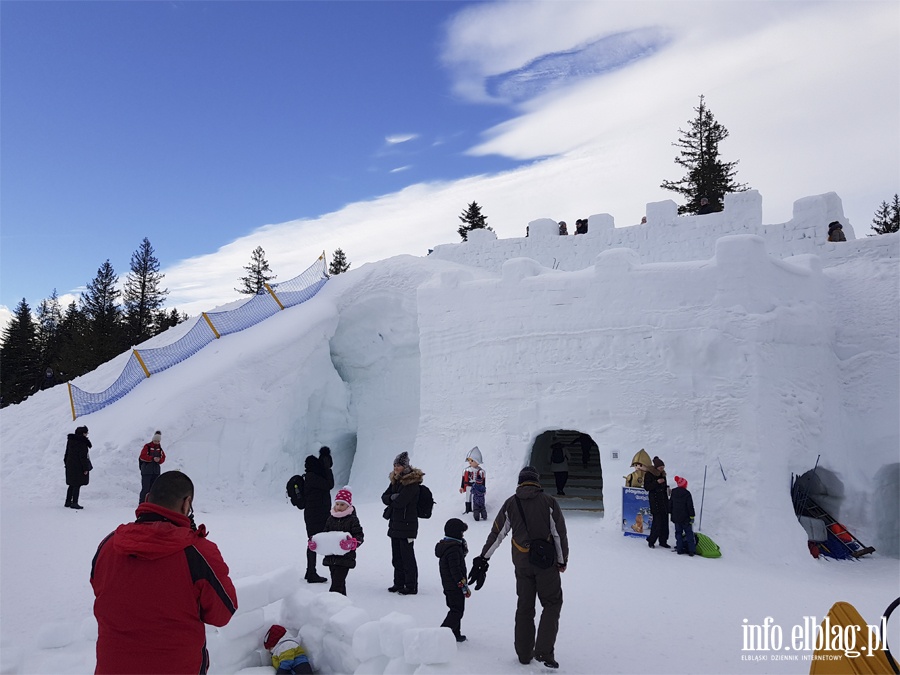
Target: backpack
[(557, 456), (295, 491), (425, 505)]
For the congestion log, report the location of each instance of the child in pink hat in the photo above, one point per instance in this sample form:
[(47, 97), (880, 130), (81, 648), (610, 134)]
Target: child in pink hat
[(343, 518), (681, 506)]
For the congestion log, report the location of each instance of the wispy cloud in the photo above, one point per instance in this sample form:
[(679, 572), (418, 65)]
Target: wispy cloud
[(394, 139), (401, 168)]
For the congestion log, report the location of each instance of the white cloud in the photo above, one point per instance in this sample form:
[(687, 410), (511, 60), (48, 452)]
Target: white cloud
[(400, 138), (401, 168)]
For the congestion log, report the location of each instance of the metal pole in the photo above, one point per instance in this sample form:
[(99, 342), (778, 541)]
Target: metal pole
[(702, 495)]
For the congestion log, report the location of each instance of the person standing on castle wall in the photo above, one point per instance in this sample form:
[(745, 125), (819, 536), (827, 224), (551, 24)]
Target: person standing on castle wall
[(705, 207), (152, 455), (836, 232), (559, 465), (474, 485), (563, 230), (655, 484), (318, 482), (581, 226)]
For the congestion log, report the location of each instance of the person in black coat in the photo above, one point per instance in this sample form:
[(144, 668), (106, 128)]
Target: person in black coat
[(655, 484), (681, 506), (401, 511), (78, 465), (318, 482), (452, 550)]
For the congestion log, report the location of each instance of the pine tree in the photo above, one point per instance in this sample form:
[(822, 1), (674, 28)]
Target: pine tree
[(339, 263), (257, 277), (163, 320), (472, 219), (707, 175), (19, 354), (74, 347), (142, 296), (49, 325), (100, 304), (887, 217)]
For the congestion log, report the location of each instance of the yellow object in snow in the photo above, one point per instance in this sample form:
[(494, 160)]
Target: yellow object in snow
[(842, 622)]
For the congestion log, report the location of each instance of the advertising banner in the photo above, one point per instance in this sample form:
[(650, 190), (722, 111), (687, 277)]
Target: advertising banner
[(636, 518)]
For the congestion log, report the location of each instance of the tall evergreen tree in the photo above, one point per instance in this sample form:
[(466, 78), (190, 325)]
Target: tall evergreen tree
[(472, 219), (887, 217), (339, 263), (49, 325), (74, 349), (19, 356), (143, 294), (100, 303), (707, 175), (164, 320), (257, 273)]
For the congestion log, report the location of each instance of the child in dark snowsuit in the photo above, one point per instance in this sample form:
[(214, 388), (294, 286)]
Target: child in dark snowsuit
[(452, 550), (343, 518), (681, 506)]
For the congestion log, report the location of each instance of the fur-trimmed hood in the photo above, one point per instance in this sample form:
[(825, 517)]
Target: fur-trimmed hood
[(412, 477)]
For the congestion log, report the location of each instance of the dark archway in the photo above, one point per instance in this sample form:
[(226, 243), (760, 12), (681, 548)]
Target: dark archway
[(584, 487)]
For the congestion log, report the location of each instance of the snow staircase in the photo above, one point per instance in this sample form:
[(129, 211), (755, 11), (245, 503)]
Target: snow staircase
[(584, 489)]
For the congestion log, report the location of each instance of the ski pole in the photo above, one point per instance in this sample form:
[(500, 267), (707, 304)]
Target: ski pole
[(702, 495)]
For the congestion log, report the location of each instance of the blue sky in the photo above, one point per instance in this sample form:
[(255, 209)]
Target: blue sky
[(211, 128)]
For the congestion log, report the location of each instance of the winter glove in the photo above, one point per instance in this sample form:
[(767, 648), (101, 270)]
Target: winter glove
[(692, 520), (394, 496), (479, 572), (464, 587), (349, 544), (311, 545)]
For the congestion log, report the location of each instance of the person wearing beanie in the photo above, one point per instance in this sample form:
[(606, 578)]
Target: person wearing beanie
[(78, 465), (473, 485), (451, 553), (655, 484), (400, 501), (318, 482), (535, 520), (559, 465), (152, 455), (343, 518), (836, 231), (681, 506)]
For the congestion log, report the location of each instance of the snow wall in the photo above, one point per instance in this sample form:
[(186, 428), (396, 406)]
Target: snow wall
[(700, 344)]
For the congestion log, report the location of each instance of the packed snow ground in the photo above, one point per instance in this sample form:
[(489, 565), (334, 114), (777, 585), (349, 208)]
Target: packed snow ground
[(761, 364)]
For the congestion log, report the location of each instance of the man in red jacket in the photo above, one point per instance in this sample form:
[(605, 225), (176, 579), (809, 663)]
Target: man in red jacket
[(157, 581)]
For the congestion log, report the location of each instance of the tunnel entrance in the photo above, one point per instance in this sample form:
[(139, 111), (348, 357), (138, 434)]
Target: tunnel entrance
[(580, 475)]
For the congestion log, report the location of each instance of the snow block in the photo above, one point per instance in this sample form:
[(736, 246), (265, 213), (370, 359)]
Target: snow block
[(662, 213), (295, 610), (89, 629), (339, 654), (480, 236), (429, 645), (616, 261), (399, 666), (345, 622), (545, 228), (252, 593), (598, 222), (367, 641), (744, 210), (374, 666), (57, 634), (391, 628), (228, 654), (326, 605), (513, 271), (244, 623), (329, 543), (282, 582), (312, 637)]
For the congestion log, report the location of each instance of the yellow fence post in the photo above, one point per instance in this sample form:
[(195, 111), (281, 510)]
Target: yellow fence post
[(141, 361), (325, 260), (272, 293), (213, 328), (71, 400)]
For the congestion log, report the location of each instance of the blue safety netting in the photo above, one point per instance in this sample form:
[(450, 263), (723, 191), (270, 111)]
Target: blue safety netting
[(258, 308)]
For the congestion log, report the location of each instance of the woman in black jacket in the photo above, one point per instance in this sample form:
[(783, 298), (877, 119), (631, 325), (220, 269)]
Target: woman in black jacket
[(401, 511), (318, 482), (655, 484), (78, 465)]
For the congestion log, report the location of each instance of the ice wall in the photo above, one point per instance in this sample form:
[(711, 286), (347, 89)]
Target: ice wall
[(728, 362)]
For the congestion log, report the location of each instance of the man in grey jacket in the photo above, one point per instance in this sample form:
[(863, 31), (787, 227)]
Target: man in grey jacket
[(531, 516)]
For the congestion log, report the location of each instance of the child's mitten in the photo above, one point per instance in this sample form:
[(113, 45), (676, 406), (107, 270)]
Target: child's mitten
[(349, 544), (311, 545), (465, 588)]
